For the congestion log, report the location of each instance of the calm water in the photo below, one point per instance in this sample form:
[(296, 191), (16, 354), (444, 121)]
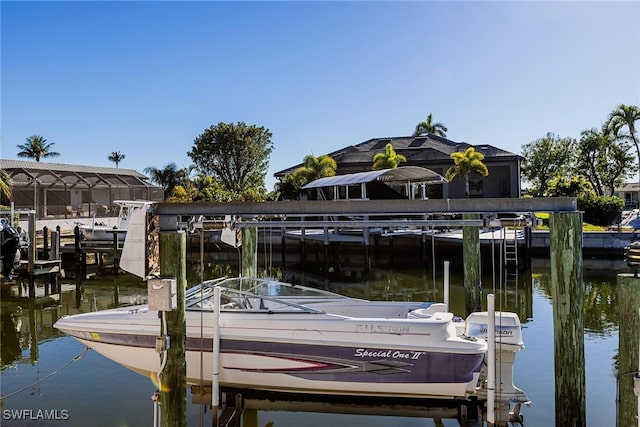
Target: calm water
[(95, 391)]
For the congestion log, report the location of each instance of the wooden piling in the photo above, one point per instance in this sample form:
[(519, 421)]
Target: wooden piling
[(54, 254), (303, 250), (283, 248), (250, 252), (77, 257), (367, 263), (629, 325), (116, 255), (471, 257), (568, 318), (33, 255), (173, 396), (45, 242)]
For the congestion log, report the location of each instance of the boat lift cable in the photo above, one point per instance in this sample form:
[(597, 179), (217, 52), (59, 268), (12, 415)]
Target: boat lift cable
[(163, 354), (73, 359), (163, 361), (202, 279)]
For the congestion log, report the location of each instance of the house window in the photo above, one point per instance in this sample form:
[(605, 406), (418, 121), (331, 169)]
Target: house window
[(629, 201)]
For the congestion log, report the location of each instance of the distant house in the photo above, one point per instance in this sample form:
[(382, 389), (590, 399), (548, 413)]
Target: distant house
[(64, 190), (629, 193), (434, 153)]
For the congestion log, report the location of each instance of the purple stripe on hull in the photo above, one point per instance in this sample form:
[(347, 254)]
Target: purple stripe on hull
[(330, 363), (358, 364)]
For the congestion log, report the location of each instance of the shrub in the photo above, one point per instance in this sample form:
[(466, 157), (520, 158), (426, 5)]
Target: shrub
[(600, 210)]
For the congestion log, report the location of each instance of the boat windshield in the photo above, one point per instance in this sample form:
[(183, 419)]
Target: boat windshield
[(264, 287), (252, 294)]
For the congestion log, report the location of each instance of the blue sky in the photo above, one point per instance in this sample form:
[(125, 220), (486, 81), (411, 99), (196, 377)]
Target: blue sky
[(146, 78)]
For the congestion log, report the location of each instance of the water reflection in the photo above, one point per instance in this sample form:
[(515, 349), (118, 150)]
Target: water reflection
[(10, 326), (31, 347)]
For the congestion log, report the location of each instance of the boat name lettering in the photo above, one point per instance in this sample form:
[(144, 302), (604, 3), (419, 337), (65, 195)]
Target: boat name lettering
[(382, 328), (389, 354)]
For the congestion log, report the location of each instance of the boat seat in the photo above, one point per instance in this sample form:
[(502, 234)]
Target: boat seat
[(423, 313)]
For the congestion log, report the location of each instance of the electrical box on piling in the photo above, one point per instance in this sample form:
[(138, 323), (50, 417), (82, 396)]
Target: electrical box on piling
[(162, 294)]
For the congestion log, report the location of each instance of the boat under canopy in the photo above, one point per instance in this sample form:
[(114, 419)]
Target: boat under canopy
[(400, 182)]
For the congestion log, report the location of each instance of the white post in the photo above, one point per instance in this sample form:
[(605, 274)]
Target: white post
[(636, 378), (446, 284), (215, 383), (491, 360)]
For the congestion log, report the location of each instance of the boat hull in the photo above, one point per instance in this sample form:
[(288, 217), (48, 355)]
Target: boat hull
[(101, 233), (425, 377)]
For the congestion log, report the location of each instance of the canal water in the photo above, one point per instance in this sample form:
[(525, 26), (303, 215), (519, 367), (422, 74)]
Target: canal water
[(48, 375)]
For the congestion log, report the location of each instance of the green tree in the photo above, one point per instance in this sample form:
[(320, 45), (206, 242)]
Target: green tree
[(545, 159), (288, 188), (236, 155), (603, 160), (210, 190), (575, 186), (116, 157), (36, 148), (314, 168), (465, 163), (387, 160), (428, 126), (625, 117), (5, 187), (180, 194), (168, 177)]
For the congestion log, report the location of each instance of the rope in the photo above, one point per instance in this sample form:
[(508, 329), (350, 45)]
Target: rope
[(75, 358)]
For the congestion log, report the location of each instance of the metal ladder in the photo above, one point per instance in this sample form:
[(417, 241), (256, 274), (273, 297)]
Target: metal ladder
[(510, 249)]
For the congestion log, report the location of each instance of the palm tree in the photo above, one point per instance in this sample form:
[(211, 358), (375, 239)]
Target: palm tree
[(116, 157), (5, 187), (36, 148), (621, 117), (427, 127), (168, 177), (464, 163), (387, 160), (314, 168)]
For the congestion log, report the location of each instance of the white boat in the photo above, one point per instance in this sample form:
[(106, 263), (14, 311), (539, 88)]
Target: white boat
[(486, 236), (286, 338), (101, 231)]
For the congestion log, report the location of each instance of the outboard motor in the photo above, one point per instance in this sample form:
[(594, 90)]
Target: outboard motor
[(10, 250), (508, 342)]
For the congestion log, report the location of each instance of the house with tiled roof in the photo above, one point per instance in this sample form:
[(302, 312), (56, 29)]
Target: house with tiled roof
[(434, 152), (64, 190)]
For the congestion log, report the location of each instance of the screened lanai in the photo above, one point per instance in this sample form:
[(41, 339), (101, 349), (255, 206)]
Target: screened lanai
[(57, 190)]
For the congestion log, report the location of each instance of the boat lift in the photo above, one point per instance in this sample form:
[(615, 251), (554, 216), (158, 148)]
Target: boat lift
[(417, 213)]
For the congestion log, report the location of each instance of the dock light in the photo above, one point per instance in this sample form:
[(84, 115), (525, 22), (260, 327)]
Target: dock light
[(633, 257)]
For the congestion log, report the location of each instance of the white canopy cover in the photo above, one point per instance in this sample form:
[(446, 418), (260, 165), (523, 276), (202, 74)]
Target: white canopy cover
[(403, 174)]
